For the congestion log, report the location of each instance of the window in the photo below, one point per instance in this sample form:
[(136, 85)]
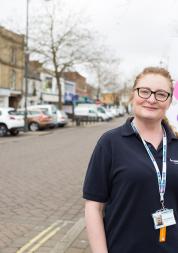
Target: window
[(13, 79), (34, 112), (54, 109), (13, 112), (34, 92), (48, 82), (100, 109), (21, 113), (13, 55)]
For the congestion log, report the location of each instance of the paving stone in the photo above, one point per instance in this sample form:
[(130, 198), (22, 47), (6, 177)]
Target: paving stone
[(74, 250), (41, 182)]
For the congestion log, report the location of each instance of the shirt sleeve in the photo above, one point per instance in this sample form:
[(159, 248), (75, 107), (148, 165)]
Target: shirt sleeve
[(96, 184)]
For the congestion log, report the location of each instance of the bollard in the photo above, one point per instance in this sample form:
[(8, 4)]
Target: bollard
[(77, 121)]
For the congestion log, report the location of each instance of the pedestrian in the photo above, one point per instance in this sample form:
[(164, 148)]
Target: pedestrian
[(132, 176)]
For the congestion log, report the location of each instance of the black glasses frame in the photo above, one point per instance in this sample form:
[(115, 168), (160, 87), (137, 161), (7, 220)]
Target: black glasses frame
[(153, 92)]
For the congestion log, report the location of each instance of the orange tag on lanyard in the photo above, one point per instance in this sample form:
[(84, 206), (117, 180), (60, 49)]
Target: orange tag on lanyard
[(162, 234)]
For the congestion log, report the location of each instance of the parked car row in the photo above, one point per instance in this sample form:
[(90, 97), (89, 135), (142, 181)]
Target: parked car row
[(38, 117), (48, 116), (98, 112)]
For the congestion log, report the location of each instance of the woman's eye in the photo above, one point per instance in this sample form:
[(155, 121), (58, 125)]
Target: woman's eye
[(161, 94), (145, 91)]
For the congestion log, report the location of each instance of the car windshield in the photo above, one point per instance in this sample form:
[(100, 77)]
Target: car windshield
[(45, 111), (34, 112), (100, 109), (21, 113), (54, 109)]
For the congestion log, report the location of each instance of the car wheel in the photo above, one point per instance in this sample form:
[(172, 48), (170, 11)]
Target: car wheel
[(33, 127), (61, 125), (3, 130), (14, 132)]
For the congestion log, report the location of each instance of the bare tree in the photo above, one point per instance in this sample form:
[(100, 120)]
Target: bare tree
[(107, 74), (62, 42)]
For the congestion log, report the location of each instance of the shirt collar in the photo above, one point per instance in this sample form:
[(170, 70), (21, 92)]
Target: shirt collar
[(127, 129)]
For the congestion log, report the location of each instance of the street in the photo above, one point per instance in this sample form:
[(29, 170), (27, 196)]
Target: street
[(41, 188)]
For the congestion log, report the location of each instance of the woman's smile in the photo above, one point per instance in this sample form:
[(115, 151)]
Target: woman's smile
[(150, 108)]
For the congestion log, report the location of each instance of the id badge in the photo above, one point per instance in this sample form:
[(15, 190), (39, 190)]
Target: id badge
[(163, 218)]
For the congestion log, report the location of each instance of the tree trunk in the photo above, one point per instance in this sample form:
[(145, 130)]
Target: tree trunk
[(98, 93), (59, 92)]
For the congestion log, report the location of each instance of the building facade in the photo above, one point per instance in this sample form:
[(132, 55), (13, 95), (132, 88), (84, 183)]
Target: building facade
[(34, 84), (11, 67)]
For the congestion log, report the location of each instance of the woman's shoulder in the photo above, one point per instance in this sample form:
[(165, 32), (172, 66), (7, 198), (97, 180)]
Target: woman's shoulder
[(115, 133), (112, 133)]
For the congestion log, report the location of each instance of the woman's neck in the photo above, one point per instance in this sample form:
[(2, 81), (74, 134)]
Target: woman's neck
[(149, 126), (150, 131)]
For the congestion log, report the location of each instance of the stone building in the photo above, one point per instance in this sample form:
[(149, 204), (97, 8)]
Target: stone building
[(11, 67)]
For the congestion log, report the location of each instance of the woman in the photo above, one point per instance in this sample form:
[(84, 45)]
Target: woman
[(132, 177)]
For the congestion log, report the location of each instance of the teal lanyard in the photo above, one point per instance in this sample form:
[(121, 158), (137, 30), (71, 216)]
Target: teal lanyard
[(161, 178)]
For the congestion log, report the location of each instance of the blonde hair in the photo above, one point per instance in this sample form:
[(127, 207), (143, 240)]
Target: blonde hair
[(157, 71), (165, 73), (166, 121)]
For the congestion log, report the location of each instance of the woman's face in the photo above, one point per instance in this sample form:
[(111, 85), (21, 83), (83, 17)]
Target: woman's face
[(151, 108)]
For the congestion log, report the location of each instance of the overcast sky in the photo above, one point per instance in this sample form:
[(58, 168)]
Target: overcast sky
[(141, 32)]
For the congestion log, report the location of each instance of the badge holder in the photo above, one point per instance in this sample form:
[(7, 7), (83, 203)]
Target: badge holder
[(162, 219)]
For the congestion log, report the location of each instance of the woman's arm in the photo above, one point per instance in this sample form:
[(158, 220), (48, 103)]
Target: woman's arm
[(95, 226)]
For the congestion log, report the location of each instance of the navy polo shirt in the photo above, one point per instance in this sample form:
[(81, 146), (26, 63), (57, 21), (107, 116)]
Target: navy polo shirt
[(121, 174)]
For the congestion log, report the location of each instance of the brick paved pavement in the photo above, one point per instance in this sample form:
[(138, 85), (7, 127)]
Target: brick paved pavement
[(41, 178)]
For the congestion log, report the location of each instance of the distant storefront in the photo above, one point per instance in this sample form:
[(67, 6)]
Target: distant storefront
[(69, 92)]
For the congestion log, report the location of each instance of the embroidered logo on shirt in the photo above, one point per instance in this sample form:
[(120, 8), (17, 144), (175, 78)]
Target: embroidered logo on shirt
[(174, 161)]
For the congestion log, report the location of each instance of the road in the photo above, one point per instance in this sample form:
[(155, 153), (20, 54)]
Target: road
[(41, 178)]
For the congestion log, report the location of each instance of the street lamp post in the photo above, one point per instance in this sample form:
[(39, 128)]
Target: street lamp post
[(26, 64)]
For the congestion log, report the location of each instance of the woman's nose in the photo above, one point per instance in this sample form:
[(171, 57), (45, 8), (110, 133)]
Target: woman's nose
[(152, 98)]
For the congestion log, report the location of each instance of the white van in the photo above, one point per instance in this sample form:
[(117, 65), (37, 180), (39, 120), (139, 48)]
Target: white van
[(85, 111), (50, 109), (89, 109)]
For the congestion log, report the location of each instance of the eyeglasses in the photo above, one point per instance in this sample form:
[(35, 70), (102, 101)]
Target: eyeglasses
[(160, 95)]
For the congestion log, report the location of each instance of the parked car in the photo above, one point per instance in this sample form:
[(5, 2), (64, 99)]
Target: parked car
[(87, 112), (114, 111), (122, 110), (108, 113), (62, 118), (10, 121), (37, 119), (103, 116), (50, 109), (97, 109)]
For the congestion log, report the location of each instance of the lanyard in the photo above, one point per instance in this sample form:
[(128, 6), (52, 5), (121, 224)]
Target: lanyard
[(161, 179)]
